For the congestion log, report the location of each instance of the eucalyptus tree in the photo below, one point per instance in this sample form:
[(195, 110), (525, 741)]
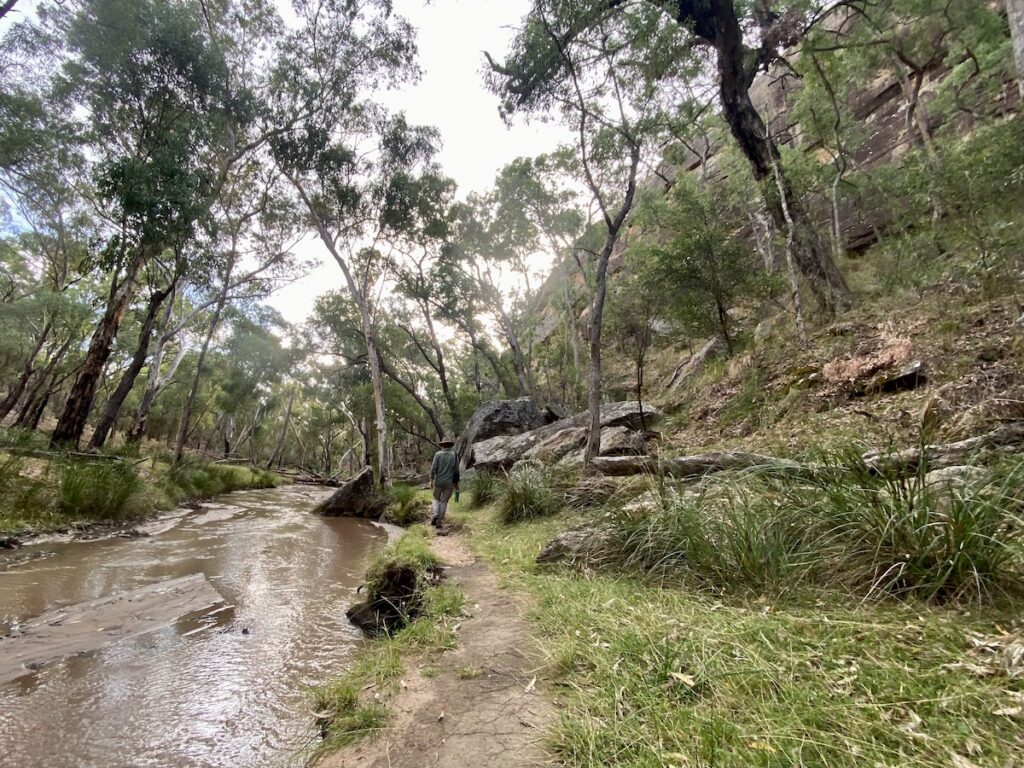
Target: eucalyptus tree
[(161, 97), (421, 254), (252, 248), (746, 38), (1015, 14), (599, 67), (347, 160), (535, 210)]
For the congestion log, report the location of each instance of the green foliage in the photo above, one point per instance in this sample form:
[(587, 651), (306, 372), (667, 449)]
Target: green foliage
[(483, 489), (192, 479), (406, 505), (527, 493), (842, 526), (694, 270), (97, 490)]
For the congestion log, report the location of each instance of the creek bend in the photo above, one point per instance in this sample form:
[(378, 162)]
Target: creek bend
[(226, 686)]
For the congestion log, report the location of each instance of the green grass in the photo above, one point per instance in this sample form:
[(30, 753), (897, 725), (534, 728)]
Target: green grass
[(652, 675), (356, 704), (97, 490), (844, 527), (407, 505), (39, 495), (483, 489), (527, 493)]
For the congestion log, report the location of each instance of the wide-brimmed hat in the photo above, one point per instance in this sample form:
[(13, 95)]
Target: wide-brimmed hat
[(446, 442)]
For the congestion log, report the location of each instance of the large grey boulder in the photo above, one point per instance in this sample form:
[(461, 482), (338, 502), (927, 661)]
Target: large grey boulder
[(558, 439), (357, 497), (497, 418)]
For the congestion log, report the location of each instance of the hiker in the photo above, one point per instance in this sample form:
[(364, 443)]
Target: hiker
[(444, 479)]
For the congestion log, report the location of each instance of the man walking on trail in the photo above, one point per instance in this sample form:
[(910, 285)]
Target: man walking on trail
[(444, 479)]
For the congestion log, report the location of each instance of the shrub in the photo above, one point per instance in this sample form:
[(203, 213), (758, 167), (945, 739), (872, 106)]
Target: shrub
[(527, 494), (484, 489), (97, 490)]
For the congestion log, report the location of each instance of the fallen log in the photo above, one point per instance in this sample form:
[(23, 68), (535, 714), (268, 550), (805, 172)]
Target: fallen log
[(1008, 439), (62, 632), (691, 466)]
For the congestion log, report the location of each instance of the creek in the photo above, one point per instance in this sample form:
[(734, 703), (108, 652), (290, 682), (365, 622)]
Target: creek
[(224, 686)]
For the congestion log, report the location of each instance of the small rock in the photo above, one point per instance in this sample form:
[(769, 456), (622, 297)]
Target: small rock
[(954, 477), (910, 376), (9, 542), (578, 544)]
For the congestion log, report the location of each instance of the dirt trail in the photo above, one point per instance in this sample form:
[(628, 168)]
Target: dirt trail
[(496, 719)]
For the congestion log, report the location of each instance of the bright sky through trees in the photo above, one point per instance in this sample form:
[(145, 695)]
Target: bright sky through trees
[(451, 36)]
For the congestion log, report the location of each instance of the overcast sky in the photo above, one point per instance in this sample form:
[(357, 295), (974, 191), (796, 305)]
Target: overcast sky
[(452, 35)]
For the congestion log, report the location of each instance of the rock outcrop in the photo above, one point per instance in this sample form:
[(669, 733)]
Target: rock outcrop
[(497, 418), (1008, 439), (357, 497), (553, 442)]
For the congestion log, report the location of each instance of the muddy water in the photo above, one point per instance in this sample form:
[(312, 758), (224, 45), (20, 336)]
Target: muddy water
[(227, 689)]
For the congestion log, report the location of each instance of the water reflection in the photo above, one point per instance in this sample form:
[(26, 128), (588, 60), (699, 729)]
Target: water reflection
[(217, 688)]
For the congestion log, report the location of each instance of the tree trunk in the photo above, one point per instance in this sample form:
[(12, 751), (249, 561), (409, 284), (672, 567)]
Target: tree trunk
[(1015, 15), (186, 415), (723, 30), (518, 361), (154, 386), (36, 392), (116, 400), (374, 359), (593, 448), (442, 372), (72, 420), (19, 386), (278, 452), (392, 374)]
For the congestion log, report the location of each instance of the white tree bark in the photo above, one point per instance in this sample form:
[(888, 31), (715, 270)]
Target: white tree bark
[(1015, 15)]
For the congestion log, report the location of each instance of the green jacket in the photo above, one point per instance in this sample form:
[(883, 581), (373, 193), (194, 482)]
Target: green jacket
[(444, 469)]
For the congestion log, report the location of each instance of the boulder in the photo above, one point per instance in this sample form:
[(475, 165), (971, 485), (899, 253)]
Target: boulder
[(578, 545), (695, 363), (957, 476), (909, 376), (552, 448), (497, 418), (1007, 439), (500, 453), (357, 497), (622, 441)]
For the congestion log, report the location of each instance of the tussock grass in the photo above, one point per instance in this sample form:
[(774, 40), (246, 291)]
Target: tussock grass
[(406, 505), (654, 674), (191, 479), (97, 490), (844, 527), (39, 494), (527, 493), (483, 490)]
